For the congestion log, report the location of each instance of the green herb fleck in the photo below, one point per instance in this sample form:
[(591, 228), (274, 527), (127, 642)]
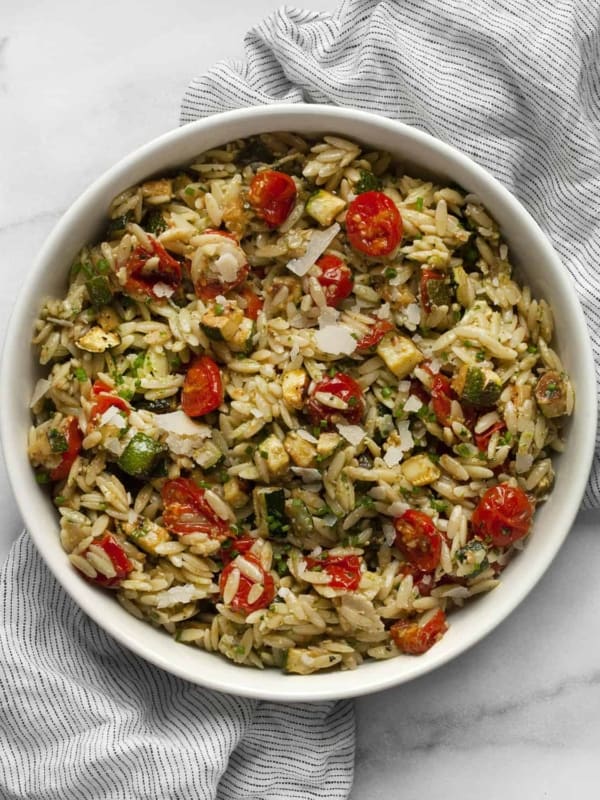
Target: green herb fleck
[(42, 477), (419, 204), (367, 182), (58, 442), (219, 309), (80, 374), (190, 191)]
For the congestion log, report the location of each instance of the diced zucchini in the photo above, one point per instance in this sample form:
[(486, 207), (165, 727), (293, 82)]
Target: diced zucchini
[(324, 207), (141, 456), (108, 319), (551, 394), (241, 341), (97, 341), (234, 494), (163, 405), (293, 384), (328, 443), (208, 455), (146, 536), (220, 324), (477, 386), (269, 511), (274, 454), (399, 353), (99, 291), (439, 291), (420, 470), (154, 222), (304, 660), (117, 227), (160, 191), (302, 453)]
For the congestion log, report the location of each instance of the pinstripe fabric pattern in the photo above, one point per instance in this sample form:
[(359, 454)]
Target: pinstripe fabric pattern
[(82, 717), (515, 84)]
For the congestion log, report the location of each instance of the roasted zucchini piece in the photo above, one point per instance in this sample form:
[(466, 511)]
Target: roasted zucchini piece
[(269, 511), (324, 207), (551, 394), (477, 386), (399, 353)]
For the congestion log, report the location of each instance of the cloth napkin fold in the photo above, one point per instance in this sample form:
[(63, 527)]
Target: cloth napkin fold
[(515, 85)]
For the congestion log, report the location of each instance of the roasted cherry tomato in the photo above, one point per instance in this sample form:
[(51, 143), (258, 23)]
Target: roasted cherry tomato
[(414, 639), (254, 303), (202, 388), (482, 440), (118, 558), (105, 400), (503, 515), (422, 581), (231, 548), (213, 247), (373, 224), (272, 195), (336, 279), (343, 571), (376, 333), (418, 539), (243, 601), (441, 398), (340, 387), (70, 430), (186, 510), (417, 388), (142, 277), (426, 276)]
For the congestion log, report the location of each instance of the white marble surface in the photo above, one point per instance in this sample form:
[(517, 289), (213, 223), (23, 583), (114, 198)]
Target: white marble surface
[(81, 84)]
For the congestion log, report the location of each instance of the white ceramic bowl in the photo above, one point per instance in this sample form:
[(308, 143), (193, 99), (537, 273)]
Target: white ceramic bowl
[(530, 250)]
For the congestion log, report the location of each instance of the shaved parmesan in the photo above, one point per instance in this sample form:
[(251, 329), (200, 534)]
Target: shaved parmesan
[(393, 455), (413, 403), (227, 267), (336, 340), (523, 462), (178, 422), (112, 416), (383, 312), (308, 437), (406, 440), (328, 316), (162, 289), (40, 390), (307, 474), (352, 433), (318, 242)]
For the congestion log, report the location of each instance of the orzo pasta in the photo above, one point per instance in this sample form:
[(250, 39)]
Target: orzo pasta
[(297, 407)]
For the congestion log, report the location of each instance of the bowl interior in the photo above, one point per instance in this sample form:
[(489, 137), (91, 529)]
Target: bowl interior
[(537, 264)]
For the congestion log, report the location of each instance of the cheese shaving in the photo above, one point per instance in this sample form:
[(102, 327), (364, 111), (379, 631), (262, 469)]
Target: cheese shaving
[(352, 433), (336, 340), (318, 242), (162, 289), (178, 422)]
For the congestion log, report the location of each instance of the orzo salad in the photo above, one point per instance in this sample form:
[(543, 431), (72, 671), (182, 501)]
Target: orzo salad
[(297, 408)]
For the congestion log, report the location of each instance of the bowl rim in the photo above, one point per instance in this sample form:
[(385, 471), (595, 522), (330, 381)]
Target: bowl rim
[(269, 117)]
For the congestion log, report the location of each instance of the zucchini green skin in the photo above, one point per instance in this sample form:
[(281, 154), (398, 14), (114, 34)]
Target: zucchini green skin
[(141, 456), (480, 389)]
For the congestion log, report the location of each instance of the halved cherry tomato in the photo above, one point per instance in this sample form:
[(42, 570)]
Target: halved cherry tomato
[(342, 387), (336, 279), (373, 224), (343, 571), (142, 279), (442, 394), (426, 276), (186, 510), (202, 388), (415, 639), (231, 548), (106, 399), (240, 601), (118, 557), (254, 303), (74, 439), (503, 515), (272, 195), (482, 440), (376, 333), (417, 388), (418, 539), (207, 283)]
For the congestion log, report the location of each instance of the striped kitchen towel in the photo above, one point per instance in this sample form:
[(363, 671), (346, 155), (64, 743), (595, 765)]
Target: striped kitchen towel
[(515, 84)]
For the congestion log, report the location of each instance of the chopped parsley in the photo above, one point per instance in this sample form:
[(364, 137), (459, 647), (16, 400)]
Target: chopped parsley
[(80, 374), (419, 204), (58, 442), (368, 182)]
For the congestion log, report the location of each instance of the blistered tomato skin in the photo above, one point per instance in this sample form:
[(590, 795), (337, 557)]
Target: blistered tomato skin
[(378, 330), (343, 571), (341, 387), (74, 440), (373, 224), (202, 388), (272, 195), (415, 639), (186, 510), (241, 601), (503, 515), (418, 540), (142, 281), (336, 279)]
